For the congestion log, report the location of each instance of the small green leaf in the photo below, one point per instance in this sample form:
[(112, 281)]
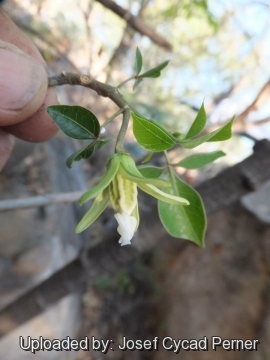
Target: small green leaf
[(186, 222), (103, 142), (162, 195), (155, 72), (86, 152), (129, 171), (221, 134), (98, 206), (81, 154), (137, 83), (150, 171), (148, 157), (224, 133), (198, 124), (150, 135), (141, 179), (197, 161), (139, 61), (75, 121)]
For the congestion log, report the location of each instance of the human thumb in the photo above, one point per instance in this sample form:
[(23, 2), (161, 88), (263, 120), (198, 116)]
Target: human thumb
[(23, 85)]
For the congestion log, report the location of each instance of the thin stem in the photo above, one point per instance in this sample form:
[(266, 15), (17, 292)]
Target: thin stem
[(125, 81), (112, 117), (100, 88), (166, 157), (121, 135), (170, 168)]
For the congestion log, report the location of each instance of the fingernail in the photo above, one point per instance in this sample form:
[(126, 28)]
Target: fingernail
[(20, 79)]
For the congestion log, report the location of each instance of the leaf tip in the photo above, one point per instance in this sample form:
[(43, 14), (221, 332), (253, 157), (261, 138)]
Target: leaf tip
[(81, 200), (78, 230)]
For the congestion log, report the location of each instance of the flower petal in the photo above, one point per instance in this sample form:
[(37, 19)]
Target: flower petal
[(126, 228), (113, 167), (161, 195), (95, 210)]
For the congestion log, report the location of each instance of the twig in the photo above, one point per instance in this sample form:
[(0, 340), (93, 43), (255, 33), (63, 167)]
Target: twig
[(240, 121), (105, 90), (36, 201), (260, 100), (136, 23), (125, 43)]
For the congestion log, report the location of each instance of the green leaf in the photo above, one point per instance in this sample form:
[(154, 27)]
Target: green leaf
[(86, 152), (81, 154), (162, 195), (104, 181), (137, 83), (75, 121), (178, 136), (224, 133), (139, 61), (198, 124), (139, 179), (197, 161), (129, 171), (155, 72), (221, 134), (150, 171), (148, 157), (186, 222), (98, 206), (150, 135)]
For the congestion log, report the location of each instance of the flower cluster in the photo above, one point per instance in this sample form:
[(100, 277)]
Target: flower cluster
[(119, 187)]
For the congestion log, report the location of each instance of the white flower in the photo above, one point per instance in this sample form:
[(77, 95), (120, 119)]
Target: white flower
[(126, 228)]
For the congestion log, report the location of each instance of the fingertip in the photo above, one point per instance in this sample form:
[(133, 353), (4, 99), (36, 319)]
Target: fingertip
[(39, 127), (23, 86)]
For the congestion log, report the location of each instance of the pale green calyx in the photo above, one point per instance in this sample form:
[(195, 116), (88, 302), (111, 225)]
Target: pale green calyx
[(119, 186)]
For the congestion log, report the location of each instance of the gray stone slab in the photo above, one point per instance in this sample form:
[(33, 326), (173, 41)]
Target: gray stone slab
[(258, 203)]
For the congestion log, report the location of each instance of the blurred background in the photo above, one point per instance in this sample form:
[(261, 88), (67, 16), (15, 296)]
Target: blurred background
[(219, 53)]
